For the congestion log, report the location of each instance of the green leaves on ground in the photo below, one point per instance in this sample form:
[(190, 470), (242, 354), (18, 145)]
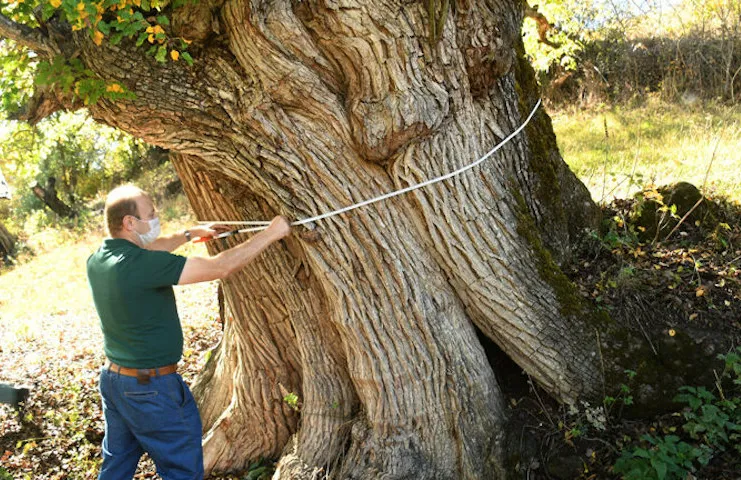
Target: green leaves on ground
[(713, 423)]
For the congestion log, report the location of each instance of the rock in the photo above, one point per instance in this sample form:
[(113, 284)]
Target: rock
[(565, 468), (684, 196)]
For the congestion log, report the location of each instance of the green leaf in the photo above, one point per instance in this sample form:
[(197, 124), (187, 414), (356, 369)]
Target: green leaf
[(161, 55), (145, 5), (163, 20), (47, 11), (188, 59), (142, 38), (256, 473), (660, 468), (116, 38), (104, 27), (641, 452)]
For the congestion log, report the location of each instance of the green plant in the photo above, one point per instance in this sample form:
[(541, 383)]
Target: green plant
[(619, 234), (716, 420), (260, 470), (712, 421), (623, 397), (665, 458), (292, 401), (4, 475)]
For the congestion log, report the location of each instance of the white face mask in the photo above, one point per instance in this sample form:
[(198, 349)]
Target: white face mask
[(152, 234)]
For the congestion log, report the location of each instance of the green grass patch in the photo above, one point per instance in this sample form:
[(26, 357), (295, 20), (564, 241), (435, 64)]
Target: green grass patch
[(618, 150)]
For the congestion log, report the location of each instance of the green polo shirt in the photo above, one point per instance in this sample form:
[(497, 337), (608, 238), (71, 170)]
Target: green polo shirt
[(132, 291)]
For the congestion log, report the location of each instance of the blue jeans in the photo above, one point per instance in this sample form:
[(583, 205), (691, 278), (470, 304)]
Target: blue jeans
[(160, 418)]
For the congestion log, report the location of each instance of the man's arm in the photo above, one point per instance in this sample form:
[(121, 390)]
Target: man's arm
[(167, 243), (204, 269), (170, 242)]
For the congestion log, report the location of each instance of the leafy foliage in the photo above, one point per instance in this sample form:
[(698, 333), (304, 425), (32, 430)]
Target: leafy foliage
[(83, 156), (712, 421), (144, 22), (665, 458), (16, 78)]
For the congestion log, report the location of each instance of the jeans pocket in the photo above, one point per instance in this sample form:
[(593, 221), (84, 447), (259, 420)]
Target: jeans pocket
[(177, 390), (144, 408)]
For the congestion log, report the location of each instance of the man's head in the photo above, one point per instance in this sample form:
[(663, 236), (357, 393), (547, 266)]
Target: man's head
[(128, 210)]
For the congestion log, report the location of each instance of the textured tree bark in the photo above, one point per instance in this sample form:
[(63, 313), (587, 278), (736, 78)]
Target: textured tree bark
[(7, 242), (50, 198), (370, 317)]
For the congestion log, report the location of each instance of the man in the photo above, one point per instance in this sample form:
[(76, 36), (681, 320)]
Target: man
[(146, 405)]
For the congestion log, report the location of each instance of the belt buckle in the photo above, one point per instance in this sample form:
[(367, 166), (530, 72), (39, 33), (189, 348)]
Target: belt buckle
[(143, 376)]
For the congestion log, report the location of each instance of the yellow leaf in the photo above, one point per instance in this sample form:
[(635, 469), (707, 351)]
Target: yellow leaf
[(150, 38), (55, 3), (114, 87), (98, 37), (138, 3), (80, 7), (150, 29), (188, 42), (700, 292), (175, 55), (693, 316), (672, 332)]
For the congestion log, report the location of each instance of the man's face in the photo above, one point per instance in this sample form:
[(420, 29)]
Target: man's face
[(146, 208), (146, 212)]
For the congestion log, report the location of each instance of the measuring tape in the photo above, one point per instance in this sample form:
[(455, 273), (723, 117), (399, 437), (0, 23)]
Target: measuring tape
[(256, 226)]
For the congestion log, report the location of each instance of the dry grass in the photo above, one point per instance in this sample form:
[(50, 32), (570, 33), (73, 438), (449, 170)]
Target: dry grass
[(619, 150)]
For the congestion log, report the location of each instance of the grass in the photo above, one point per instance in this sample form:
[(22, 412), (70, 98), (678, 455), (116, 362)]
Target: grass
[(618, 150)]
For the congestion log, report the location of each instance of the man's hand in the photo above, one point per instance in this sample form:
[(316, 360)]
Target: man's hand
[(200, 269), (279, 227), (207, 231)]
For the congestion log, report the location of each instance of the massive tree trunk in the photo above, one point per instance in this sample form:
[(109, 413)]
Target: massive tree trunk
[(371, 317)]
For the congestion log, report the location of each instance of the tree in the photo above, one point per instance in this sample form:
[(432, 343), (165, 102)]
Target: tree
[(367, 322), (7, 241)]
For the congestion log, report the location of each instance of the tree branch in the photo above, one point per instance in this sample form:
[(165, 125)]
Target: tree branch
[(543, 24), (32, 38)]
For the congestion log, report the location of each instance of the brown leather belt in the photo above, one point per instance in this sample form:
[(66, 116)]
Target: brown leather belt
[(143, 375)]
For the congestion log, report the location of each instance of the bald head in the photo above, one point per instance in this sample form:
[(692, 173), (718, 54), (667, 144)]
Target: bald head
[(122, 201)]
